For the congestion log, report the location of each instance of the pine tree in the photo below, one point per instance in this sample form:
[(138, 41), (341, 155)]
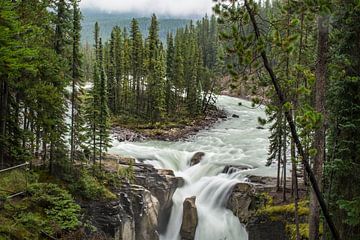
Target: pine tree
[(104, 124), (342, 167), (169, 98), (136, 64), (77, 123), (155, 89)]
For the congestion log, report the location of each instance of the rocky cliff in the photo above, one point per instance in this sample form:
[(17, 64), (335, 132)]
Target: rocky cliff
[(142, 206)]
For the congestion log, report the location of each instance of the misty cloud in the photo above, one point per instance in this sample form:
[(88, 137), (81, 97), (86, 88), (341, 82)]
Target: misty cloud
[(146, 7)]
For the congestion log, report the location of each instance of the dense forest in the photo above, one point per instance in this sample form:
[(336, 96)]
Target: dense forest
[(109, 20), (61, 98)]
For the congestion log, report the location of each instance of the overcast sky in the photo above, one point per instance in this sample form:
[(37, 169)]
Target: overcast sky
[(146, 7)]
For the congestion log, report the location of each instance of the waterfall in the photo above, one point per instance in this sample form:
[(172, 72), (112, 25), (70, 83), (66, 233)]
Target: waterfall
[(236, 141)]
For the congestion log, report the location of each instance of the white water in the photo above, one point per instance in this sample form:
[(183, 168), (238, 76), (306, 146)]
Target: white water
[(235, 141)]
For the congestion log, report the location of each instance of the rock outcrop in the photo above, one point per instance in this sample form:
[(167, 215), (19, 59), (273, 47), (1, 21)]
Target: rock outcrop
[(142, 206), (252, 202), (235, 168), (242, 201), (196, 158), (189, 219), (124, 134)]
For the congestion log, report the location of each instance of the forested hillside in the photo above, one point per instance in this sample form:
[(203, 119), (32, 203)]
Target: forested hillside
[(99, 120), (110, 20)]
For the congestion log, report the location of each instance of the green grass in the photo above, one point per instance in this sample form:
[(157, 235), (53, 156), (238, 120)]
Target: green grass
[(47, 208), (288, 209), (12, 182), (90, 187)]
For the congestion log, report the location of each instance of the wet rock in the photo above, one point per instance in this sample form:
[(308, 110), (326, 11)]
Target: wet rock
[(261, 180), (142, 207), (196, 158), (189, 220), (263, 228), (235, 168), (235, 116), (165, 172), (146, 209), (119, 159), (258, 127), (223, 116), (242, 201), (162, 184), (124, 134)]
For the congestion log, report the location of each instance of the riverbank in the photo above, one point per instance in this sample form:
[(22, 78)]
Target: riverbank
[(166, 131)]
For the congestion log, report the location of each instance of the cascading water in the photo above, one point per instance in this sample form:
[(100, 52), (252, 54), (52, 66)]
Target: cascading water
[(236, 141)]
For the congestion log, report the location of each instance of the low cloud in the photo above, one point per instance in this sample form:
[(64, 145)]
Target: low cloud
[(161, 7)]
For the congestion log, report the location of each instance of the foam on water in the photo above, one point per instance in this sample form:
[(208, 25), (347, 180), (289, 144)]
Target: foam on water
[(236, 141)]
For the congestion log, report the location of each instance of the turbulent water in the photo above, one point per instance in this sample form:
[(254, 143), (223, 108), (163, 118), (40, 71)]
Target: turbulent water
[(235, 141)]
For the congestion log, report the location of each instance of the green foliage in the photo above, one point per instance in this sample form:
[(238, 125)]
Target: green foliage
[(352, 209), (46, 209), (149, 83), (126, 173), (342, 168), (288, 209), (304, 231), (58, 205), (12, 182), (89, 187)]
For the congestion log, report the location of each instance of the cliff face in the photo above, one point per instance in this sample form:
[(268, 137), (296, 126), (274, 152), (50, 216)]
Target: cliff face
[(142, 206), (253, 203)]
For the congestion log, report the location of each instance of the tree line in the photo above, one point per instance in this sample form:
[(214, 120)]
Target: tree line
[(59, 98), (40, 60), (304, 56), (149, 80)]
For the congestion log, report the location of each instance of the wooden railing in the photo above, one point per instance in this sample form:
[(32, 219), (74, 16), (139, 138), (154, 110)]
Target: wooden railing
[(20, 166)]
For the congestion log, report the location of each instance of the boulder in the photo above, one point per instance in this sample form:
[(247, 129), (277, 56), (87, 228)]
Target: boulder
[(235, 168), (264, 228), (242, 200), (189, 220), (124, 134), (235, 116), (196, 158)]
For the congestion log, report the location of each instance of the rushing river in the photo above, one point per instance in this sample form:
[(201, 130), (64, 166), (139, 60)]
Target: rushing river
[(235, 141)]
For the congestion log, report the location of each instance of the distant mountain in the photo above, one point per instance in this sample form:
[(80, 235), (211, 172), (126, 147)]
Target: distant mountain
[(108, 20)]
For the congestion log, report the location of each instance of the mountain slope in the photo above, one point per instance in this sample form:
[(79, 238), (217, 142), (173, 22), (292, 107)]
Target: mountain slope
[(108, 20)]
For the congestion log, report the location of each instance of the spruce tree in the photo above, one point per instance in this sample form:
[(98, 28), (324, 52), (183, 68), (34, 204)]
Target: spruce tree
[(170, 54), (77, 123), (136, 64)]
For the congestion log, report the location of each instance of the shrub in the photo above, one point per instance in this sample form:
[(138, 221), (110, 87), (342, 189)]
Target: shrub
[(89, 187), (58, 205)]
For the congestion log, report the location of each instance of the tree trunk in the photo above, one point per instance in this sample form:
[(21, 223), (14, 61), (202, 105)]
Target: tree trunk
[(292, 126), (72, 130), (284, 161), (3, 116), (279, 162), (319, 142)]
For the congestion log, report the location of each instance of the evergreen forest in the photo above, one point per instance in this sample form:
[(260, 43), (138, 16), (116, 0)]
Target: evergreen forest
[(242, 124)]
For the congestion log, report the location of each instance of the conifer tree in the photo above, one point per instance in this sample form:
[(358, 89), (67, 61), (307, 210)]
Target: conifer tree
[(136, 64), (77, 123), (170, 52)]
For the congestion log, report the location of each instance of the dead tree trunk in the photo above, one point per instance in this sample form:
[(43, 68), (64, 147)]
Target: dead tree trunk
[(321, 68), (291, 123)]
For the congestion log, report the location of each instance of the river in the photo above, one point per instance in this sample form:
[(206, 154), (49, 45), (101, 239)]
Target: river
[(236, 141)]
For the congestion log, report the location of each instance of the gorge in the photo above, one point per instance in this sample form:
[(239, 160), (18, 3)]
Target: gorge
[(230, 143)]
